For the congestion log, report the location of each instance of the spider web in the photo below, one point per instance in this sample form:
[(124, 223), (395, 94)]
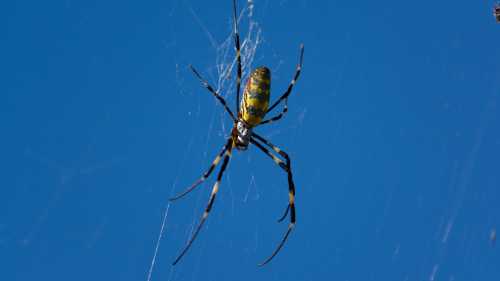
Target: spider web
[(225, 83), (225, 62)]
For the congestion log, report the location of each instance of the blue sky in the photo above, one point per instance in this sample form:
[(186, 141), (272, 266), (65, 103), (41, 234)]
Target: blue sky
[(392, 129)]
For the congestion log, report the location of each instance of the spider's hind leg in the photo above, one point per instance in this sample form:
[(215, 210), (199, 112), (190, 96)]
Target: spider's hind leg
[(206, 174), (211, 200), (286, 166)]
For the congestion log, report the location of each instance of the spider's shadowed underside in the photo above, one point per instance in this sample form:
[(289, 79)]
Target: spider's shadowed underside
[(251, 110)]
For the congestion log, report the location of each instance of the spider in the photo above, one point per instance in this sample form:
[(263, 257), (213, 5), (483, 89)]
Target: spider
[(254, 106)]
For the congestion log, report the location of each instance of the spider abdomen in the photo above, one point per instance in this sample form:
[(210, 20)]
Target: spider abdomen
[(255, 101)]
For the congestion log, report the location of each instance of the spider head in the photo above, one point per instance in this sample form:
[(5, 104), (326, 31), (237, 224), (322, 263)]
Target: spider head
[(242, 135)]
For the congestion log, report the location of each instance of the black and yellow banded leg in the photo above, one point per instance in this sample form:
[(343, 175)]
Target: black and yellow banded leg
[(280, 163), (211, 200), (277, 117), (287, 158), (286, 166), (206, 174), (205, 83), (238, 56), (285, 95)]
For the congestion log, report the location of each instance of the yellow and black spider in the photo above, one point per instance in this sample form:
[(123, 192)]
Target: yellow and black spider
[(254, 106)]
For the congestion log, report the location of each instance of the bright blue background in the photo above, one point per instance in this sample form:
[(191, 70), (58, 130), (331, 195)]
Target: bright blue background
[(393, 130)]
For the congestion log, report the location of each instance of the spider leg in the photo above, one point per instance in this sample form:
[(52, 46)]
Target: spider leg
[(209, 205), (291, 186), (285, 214), (277, 117), (206, 174), (287, 92), (238, 57), (211, 89)]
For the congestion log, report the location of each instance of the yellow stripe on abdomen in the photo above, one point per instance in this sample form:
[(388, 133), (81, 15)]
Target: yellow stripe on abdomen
[(255, 100)]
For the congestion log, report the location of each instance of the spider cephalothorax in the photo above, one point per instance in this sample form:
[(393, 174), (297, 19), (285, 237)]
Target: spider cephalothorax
[(254, 107), (241, 135)]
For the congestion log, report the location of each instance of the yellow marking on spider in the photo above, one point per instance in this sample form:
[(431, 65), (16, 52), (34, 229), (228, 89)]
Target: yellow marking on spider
[(291, 198), (277, 160), (216, 187), (265, 81), (256, 96), (256, 88), (216, 161)]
